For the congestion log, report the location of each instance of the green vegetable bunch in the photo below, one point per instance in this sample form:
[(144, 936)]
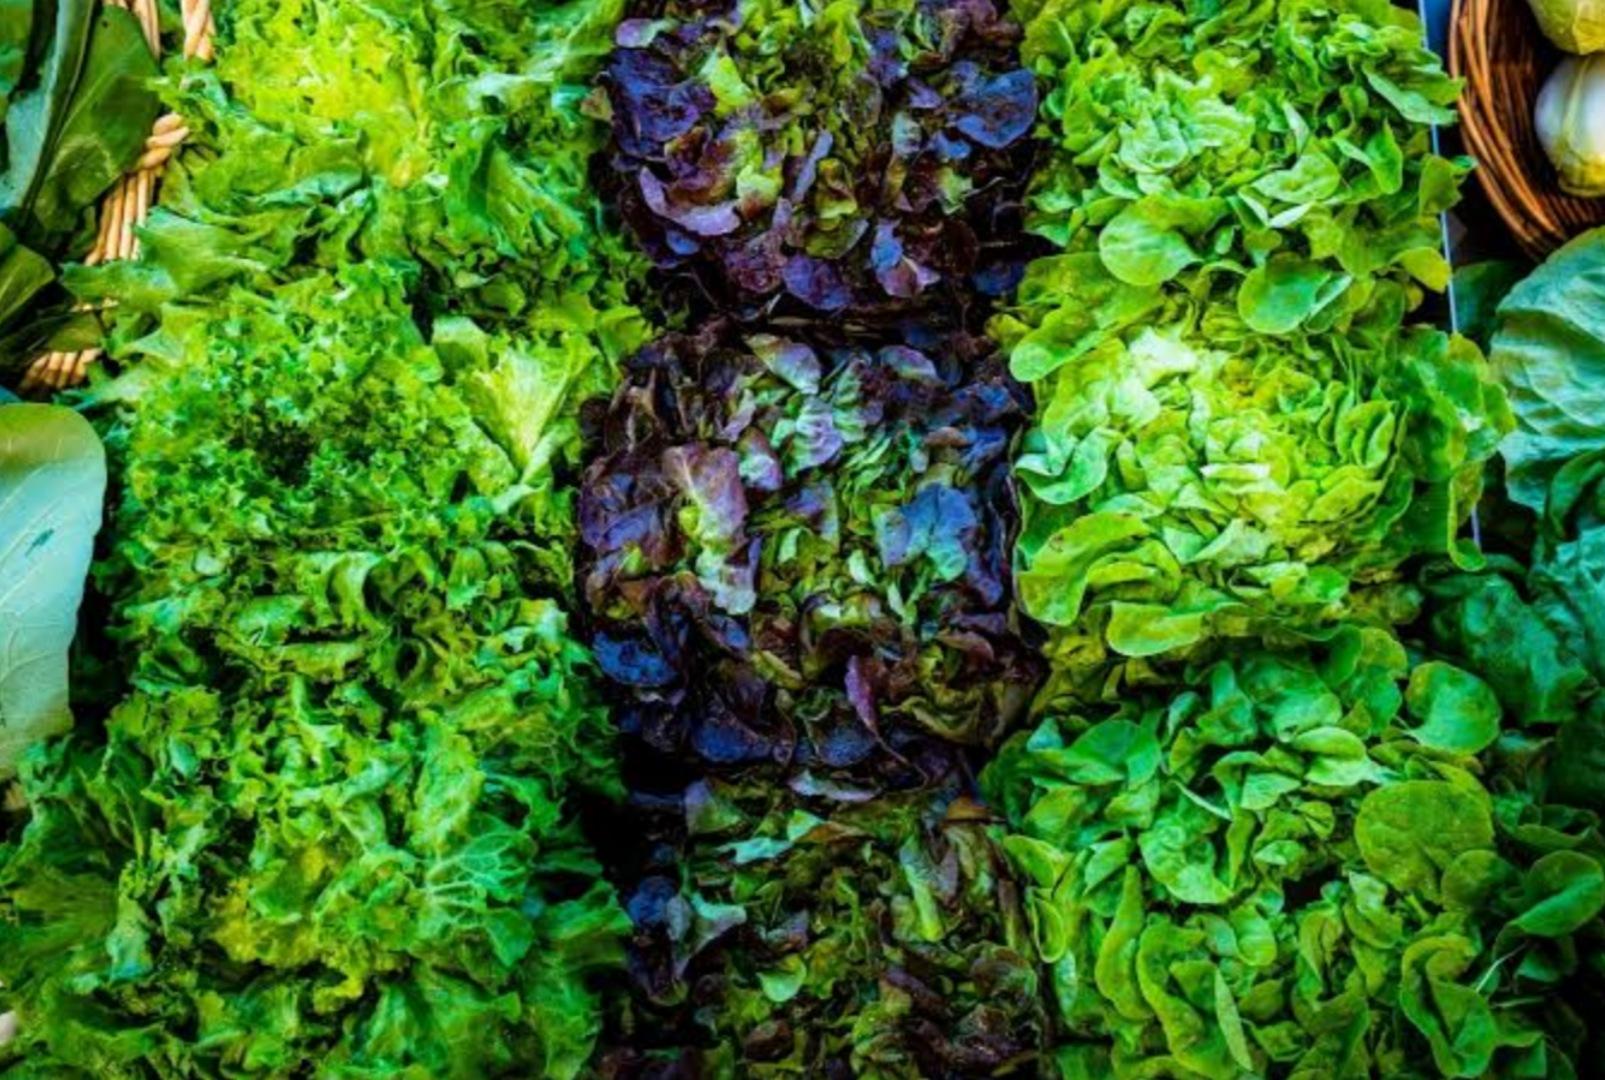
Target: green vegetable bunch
[(1189, 483), (1330, 864), (446, 135), (833, 935), (328, 823), (1274, 153), (331, 825)]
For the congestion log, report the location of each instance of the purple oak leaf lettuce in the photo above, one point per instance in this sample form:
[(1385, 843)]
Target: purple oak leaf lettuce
[(799, 555), (850, 158)]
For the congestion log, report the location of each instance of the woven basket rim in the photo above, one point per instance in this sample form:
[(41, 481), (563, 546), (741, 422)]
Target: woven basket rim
[(1496, 47)]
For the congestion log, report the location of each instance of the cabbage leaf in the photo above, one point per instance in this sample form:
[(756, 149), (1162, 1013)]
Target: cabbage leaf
[(52, 484)]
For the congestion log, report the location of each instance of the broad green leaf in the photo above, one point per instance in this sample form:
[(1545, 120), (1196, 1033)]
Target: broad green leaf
[(1410, 831), (1457, 711), (35, 118), (1285, 293), (100, 129), (52, 483), (1561, 892), (1549, 351)]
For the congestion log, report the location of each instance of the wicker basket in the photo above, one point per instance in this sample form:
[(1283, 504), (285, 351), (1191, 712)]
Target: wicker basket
[(1496, 46), (130, 199)]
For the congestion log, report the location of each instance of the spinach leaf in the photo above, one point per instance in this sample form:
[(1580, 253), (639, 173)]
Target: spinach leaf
[(23, 272), (100, 129), (35, 117)]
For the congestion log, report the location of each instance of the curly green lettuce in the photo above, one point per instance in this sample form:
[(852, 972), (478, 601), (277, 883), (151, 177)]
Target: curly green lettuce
[(1336, 863), (330, 824)]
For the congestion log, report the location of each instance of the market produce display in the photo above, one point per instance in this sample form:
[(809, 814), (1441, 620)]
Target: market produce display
[(876, 538), (1236, 435)]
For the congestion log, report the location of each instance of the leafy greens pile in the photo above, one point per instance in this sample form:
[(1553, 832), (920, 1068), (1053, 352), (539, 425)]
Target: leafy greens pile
[(800, 556), (851, 154), (1223, 483), (1269, 821), (1274, 154), (851, 933), (795, 560), (1329, 864), (1235, 436), (331, 823)]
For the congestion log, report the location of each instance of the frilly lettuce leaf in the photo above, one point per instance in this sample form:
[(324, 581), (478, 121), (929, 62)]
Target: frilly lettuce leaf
[(330, 820)]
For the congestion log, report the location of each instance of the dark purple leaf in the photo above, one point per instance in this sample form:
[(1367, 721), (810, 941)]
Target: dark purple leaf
[(999, 110), (711, 480), (898, 275), (816, 283), (632, 661), (719, 219), (652, 104)]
